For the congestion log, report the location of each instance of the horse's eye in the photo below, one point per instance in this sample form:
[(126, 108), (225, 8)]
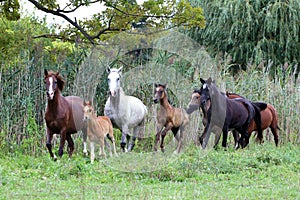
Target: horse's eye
[(118, 79), (108, 80), (55, 82)]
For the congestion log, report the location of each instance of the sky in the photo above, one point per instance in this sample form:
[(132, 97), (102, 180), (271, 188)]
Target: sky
[(83, 12)]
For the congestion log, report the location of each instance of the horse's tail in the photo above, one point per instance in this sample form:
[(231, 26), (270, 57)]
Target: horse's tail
[(275, 116), (257, 118)]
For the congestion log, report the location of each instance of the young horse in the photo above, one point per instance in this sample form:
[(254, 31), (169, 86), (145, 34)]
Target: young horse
[(126, 112), (195, 104), (97, 129), (171, 118), (64, 115), (225, 113), (269, 118)]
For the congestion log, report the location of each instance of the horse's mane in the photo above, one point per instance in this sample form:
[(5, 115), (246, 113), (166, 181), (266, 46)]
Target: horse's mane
[(60, 81)]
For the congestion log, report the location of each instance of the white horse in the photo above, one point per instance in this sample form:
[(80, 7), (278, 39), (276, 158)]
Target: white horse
[(126, 112)]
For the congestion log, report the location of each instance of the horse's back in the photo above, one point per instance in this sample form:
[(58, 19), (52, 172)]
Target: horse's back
[(237, 111), (181, 117), (76, 105)]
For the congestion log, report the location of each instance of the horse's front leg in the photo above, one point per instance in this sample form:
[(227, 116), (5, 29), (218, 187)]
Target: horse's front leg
[(48, 143), (70, 144), (63, 136), (136, 131), (84, 138), (205, 135), (236, 138), (159, 128), (163, 135), (124, 138), (225, 136)]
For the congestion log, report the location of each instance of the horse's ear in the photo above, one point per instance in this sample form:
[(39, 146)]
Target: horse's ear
[(155, 85), (202, 81), (165, 85), (120, 70), (108, 69), (45, 72)]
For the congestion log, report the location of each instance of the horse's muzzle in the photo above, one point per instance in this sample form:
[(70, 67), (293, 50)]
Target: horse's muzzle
[(50, 95)]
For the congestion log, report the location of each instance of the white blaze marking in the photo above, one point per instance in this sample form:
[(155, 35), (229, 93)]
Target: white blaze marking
[(51, 91), (204, 85)]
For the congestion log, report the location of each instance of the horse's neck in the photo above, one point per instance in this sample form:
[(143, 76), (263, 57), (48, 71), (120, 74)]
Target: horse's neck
[(93, 123), (115, 101), (54, 104), (165, 103)]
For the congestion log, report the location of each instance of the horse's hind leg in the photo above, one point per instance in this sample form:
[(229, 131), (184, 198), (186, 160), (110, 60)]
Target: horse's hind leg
[(275, 135), (179, 135), (70, 145), (102, 152), (111, 137)]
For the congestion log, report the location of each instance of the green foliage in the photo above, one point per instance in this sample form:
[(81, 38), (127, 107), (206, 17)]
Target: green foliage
[(10, 9), (251, 31)]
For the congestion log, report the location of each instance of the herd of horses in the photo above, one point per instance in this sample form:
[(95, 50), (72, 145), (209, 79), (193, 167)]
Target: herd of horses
[(221, 111)]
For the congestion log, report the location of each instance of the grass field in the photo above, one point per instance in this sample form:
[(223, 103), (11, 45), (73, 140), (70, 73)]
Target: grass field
[(257, 172)]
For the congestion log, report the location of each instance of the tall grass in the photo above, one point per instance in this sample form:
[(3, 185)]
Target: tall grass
[(22, 97)]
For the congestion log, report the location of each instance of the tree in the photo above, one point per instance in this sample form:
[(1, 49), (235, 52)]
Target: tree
[(122, 15), (10, 9), (251, 31)]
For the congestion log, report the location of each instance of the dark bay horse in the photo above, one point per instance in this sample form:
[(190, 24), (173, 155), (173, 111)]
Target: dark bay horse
[(226, 113), (269, 118), (168, 118), (195, 104), (64, 115)]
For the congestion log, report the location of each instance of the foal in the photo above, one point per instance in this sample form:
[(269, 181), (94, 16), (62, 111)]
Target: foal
[(97, 129), (174, 119)]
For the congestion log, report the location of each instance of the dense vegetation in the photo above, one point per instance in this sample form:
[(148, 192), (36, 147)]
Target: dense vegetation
[(267, 71)]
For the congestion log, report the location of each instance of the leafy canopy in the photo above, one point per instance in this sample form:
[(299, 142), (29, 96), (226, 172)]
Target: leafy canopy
[(123, 15)]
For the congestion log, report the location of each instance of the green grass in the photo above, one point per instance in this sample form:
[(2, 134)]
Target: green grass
[(257, 172)]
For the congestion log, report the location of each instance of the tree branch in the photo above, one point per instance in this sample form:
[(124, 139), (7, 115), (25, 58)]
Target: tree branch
[(58, 13)]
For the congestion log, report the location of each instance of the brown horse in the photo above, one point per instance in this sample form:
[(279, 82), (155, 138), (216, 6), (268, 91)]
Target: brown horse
[(64, 115), (269, 118), (174, 119), (97, 129)]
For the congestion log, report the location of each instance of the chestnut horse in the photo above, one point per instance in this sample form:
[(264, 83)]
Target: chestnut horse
[(269, 118), (97, 129), (64, 115), (226, 114), (174, 119)]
